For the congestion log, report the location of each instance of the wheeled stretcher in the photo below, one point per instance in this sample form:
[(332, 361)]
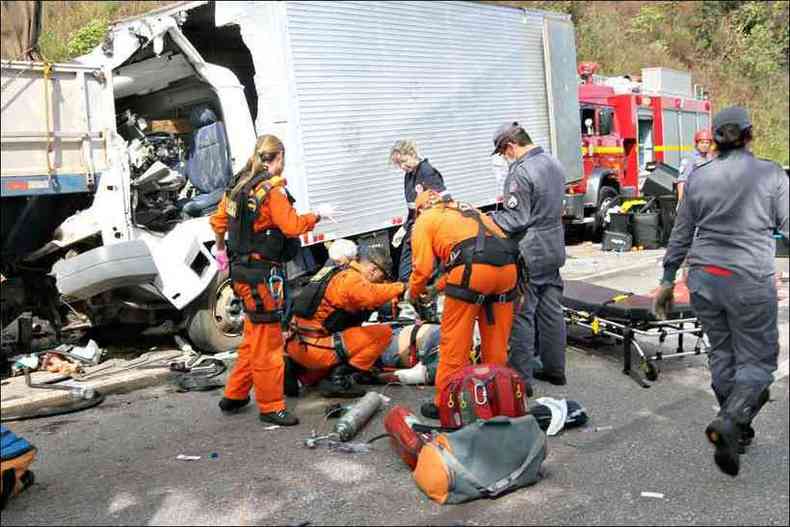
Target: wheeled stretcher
[(628, 318)]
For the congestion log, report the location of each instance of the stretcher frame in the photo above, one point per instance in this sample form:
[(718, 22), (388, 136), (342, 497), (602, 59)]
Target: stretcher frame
[(629, 332)]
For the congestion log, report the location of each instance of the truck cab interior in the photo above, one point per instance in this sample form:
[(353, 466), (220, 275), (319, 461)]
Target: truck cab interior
[(178, 147), (174, 124)]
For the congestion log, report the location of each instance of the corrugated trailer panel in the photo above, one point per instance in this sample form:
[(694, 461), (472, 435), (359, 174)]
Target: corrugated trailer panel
[(443, 73)]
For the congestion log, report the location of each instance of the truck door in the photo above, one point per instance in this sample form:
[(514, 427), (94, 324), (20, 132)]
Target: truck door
[(645, 138)]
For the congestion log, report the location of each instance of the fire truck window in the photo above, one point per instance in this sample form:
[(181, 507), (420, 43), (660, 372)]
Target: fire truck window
[(587, 120), (605, 124)]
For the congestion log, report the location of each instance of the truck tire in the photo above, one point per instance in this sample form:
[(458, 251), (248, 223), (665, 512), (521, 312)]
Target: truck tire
[(215, 320), (606, 198)]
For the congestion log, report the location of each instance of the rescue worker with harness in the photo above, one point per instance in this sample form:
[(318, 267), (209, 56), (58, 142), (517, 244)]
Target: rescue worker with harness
[(480, 282), (257, 214), (725, 230), (327, 330)]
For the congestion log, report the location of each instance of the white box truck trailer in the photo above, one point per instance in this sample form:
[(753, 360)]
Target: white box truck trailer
[(339, 83)]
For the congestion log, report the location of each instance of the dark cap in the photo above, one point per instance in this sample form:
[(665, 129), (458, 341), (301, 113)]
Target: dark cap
[(503, 133), (379, 257), (733, 115)]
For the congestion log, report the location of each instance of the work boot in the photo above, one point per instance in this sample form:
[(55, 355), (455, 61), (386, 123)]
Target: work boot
[(723, 433), (558, 379), (232, 406), (339, 384), (290, 382), (430, 410), (282, 418), (746, 435), (528, 388), (746, 431)]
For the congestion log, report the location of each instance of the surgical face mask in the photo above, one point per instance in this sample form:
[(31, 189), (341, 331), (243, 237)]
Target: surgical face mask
[(500, 167)]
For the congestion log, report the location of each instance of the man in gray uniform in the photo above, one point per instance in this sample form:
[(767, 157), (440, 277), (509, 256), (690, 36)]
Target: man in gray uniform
[(532, 215), (725, 228)]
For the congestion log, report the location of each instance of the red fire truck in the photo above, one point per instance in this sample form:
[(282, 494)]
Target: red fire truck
[(627, 127)]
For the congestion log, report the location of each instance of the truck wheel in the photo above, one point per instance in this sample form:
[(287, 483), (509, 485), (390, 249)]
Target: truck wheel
[(606, 199), (216, 321)]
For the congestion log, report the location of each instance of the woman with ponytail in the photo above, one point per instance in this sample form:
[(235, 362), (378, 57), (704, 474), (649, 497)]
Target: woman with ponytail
[(262, 227)]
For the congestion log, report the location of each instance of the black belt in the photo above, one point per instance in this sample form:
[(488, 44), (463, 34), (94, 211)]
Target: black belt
[(471, 296)]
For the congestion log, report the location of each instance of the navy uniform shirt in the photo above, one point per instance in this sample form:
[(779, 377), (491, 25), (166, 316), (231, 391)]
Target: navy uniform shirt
[(688, 165), (732, 206), (534, 192)]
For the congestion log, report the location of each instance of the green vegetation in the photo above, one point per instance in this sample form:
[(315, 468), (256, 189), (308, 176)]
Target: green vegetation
[(738, 50), (71, 29)]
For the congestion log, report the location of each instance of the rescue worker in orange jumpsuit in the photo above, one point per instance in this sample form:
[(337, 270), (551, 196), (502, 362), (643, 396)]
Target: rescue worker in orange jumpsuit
[(480, 282), (328, 313), (257, 214)]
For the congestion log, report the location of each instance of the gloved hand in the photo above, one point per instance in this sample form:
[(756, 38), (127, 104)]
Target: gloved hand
[(664, 300), (430, 294), (399, 235), (327, 210), (222, 259)]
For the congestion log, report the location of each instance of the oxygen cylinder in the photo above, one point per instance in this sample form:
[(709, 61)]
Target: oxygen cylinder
[(357, 416)]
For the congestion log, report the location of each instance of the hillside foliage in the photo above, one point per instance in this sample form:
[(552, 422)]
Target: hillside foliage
[(738, 50)]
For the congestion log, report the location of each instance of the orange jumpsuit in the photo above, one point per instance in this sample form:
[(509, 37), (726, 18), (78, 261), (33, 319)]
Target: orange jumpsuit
[(260, 360), (349, 290), (436, 231)]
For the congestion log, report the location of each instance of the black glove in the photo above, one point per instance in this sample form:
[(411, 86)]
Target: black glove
[(664, 300)]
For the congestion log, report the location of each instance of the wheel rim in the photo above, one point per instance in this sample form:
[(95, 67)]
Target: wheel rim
[(228, 311)]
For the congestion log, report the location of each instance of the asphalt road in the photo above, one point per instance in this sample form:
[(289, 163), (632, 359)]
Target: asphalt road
[(116, 464)]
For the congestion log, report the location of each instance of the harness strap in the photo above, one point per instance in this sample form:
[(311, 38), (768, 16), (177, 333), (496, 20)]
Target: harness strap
[(249, 270), (340, 349), (470, 296)]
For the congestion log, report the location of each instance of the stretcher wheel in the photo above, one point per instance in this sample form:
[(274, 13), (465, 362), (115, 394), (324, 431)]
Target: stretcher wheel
[(651, 372)]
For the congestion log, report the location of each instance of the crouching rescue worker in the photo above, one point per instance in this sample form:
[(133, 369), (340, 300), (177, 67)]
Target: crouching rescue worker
[(725, 229), (257, 214), (480, 282), (327, 331)]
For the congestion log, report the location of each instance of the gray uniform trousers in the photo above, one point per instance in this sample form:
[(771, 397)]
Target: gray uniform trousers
[(739, 316), (539, 331)]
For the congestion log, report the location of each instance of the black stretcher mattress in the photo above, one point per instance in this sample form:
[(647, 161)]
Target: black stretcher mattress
[(609, 303)]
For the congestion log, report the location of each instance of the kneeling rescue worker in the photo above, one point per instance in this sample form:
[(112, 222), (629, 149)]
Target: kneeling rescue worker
[(327, 329), (725, 228), (258, 215), (480, 282)]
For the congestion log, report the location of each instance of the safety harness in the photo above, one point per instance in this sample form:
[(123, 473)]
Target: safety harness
[(258, 257), (485, 248)]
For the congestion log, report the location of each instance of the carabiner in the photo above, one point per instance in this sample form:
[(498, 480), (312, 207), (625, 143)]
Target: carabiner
[(481, 400), (276, 287)]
